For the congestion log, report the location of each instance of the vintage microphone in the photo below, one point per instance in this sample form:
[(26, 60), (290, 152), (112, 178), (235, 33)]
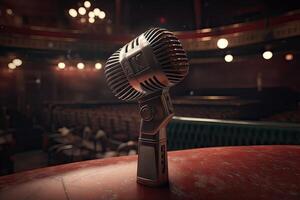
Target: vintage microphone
[(143, 70)]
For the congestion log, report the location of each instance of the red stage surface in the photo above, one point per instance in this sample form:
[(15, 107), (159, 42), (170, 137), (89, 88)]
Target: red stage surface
[(260, 172)]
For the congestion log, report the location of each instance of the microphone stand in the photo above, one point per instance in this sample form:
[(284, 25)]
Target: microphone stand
[(156, 111)]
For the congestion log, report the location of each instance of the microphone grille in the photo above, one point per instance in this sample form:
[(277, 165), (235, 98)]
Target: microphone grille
[(117, 80), (169, 53)]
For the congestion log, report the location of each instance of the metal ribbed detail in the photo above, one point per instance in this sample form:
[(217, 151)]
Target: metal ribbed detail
[(117, 80), (157, 48), (169, 53)]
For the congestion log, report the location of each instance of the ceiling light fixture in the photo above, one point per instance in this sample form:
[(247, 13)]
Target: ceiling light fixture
[(267, 55), (228, 58), (222, 43)]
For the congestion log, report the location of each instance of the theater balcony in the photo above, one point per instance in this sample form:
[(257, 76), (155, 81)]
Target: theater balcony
[(216, 101)]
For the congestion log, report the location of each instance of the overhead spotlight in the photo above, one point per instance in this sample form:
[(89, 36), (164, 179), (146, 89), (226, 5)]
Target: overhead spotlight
[(102, 15), (87, 4), (61, 65), (98, 66), (73, 12), (267, 55), (81, 11), (91, 14), (91, 20), (97, 11), (228, 58), (17, 62), (80, 66), (11, 66), (222, 43), (289, 57)]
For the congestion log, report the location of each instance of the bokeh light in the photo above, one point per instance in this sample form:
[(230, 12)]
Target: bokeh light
[(11, 66), (73, 12), (228, 58), (9, 11), (87, 4), (289, 57), (81, 11), (91, 14), (82, 20), (91, 20), (61, 65), (222, 43), (267, 55), (17, 62), (97, 11), (102, 15), (98, 66), (80, 65)]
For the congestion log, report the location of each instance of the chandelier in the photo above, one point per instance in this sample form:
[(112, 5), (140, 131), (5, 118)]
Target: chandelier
[(87, 13)]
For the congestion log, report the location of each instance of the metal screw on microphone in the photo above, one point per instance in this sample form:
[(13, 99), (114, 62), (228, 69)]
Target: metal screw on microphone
[(146, 113), (143, 70)]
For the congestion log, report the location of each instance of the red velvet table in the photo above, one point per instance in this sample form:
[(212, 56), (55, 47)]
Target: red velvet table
[(257, 172)]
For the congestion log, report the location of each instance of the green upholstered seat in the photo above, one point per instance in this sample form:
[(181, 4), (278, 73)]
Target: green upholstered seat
[(186, 133)]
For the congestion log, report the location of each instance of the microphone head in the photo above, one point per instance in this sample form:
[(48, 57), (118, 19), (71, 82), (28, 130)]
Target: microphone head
[(151, 62)]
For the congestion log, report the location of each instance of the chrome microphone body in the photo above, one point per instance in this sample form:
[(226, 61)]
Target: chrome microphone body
[(143, 70)]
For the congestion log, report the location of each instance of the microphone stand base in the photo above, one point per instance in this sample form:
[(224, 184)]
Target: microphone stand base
[(151, 183), (153, 160)]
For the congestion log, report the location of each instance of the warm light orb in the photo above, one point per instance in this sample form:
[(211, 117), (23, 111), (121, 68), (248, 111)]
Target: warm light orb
[(97, 11), (222, 43), (17, 62), (267, 55), (73, 12), (91, 20), (81, 11), (80, 66), (38, 81), (11, 66), (87, 4), (228, 58), (61, 65), (82, 20), (9, 11), (289, 57), (98, 65), (102, 15), (91, 14)]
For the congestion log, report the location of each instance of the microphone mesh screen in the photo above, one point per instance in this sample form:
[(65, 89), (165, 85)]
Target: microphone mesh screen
[(117, 80), (169, 53)]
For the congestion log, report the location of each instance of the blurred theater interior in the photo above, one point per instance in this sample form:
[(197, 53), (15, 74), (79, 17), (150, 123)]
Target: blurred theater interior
[(242, 91)]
